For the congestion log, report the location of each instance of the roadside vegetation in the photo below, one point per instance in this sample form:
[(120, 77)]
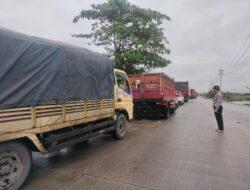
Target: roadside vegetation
[(231, 96), (132, 36)]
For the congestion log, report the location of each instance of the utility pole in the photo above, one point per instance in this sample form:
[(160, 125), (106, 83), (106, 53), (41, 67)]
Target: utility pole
[(220, 75)]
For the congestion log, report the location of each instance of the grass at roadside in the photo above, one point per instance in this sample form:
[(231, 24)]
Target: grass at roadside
[(229, 96), (238, 97)]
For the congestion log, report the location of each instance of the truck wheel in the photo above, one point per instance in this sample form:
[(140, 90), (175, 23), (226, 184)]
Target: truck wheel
[(173, 111), (121, 126), (15, 164), (166, 113)]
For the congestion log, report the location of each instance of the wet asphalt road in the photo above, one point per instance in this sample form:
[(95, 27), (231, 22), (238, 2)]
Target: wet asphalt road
[(183, 152)]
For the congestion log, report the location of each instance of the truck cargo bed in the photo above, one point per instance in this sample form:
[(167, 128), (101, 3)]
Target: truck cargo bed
[(38, 119), (184, 88), (153, 86)]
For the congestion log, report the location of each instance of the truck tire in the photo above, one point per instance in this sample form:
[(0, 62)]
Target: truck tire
[(121, 126), (166, 113), (15, 164), (173, 110)]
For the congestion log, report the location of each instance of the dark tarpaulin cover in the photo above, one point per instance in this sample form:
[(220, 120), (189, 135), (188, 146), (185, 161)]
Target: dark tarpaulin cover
[(35, 71)]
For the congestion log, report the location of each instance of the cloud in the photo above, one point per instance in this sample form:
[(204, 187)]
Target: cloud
[(203, 35)]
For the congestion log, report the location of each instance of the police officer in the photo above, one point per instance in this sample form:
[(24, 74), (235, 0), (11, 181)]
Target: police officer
[(217, 105)]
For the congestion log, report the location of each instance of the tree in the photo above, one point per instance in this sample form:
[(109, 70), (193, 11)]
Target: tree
[(210, 94), (132, 36)]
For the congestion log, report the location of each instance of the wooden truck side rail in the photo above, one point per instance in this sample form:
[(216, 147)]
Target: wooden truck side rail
[(29, 121)]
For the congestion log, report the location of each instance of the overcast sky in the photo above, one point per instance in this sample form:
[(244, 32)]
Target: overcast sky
[(204, 35)]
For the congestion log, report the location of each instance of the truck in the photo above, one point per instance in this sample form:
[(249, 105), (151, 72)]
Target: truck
[(153, 93), (179, 98), (193, 94), (184, 88), (54, 95)]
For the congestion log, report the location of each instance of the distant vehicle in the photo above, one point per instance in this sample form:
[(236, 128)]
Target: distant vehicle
[(193, 94), (55, 95), (179, 98), (153, 93), (184, 88)]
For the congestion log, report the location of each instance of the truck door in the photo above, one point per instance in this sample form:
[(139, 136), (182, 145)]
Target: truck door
[(123, 93)]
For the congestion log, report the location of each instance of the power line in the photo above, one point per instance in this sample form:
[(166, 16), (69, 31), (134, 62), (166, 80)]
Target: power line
[(220, 75), (238, 62), (238, 65), (246, 71), (238, 53), (242, 71)]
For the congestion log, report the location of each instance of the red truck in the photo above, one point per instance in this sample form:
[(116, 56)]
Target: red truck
[(193, 94), (183, 87), (153, 93)]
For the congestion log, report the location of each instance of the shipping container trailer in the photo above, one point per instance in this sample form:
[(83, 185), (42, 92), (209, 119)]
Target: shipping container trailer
[(184, 88), (153, 92)]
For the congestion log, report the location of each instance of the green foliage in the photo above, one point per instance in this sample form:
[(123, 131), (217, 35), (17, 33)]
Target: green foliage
[(236, 96), (210, 94), (228, 95), (231, 96), (132, 36)]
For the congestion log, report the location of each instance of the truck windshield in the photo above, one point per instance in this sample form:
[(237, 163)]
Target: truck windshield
[(122, 82)]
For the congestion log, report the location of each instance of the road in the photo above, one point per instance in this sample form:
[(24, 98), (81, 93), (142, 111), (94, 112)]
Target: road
[(183, 152)]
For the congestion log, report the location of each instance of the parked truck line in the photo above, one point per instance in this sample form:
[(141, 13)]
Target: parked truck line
[(184, 88)]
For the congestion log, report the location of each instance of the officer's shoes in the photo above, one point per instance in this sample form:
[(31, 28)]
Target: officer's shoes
[(219, 131)]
